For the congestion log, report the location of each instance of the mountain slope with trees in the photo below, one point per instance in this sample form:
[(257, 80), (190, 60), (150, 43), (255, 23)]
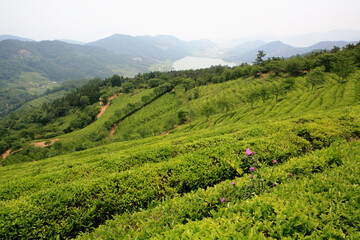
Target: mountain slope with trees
[(59, 61)]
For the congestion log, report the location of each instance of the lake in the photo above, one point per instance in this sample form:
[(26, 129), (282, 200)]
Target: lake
[(188, 62)]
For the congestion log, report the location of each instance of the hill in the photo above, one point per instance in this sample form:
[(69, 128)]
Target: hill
[(248, 52), (309, 39), (58, 61), (159, 47), (254, 152), (7, 37), (28, 68)]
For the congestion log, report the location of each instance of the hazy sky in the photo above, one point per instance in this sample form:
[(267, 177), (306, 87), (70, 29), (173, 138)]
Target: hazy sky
[(89, 20)]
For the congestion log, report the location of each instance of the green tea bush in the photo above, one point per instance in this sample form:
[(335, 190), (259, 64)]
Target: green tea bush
[(69, 208), (207, 205), (313, 205)]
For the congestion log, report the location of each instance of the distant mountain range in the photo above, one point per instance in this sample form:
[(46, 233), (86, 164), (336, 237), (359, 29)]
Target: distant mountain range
[(159, 47), (22, 59), (300, 40), (247, 52), (310, 39), (12, 37)]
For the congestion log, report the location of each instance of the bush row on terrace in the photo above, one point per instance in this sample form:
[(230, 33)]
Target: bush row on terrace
[(83, 200), (322, 202), (200, 214), (67, 209), (280, 140)]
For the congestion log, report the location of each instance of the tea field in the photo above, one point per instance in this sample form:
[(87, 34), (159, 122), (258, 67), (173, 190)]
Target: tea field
[(270, 157)]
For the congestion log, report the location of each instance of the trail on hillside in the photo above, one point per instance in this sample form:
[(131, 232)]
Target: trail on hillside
[(37, 144), (6, 154), (116, 125), (104, 107), (43, 143), (113, 128), (169, 131)]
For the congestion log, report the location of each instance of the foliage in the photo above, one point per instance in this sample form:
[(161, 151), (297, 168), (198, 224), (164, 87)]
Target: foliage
[(343, 66), (134, 173), (316, 76), (298, 181)]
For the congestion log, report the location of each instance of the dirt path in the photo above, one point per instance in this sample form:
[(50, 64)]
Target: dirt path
[(104, 107), (42, 144), (38, 144), (6, 154), (113, 128), (169, 131)]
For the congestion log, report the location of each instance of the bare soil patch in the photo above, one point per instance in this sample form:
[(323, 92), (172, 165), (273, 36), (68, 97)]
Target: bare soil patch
[(104, 107)]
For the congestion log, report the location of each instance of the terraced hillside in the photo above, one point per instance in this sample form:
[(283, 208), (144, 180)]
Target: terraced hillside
[(249, 158)]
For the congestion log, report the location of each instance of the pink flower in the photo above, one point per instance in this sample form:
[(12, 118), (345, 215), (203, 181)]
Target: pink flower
[(252, 169), (223, 200), (275, 161), (291, 174), (251, 176), (233, 183), (249, 152)]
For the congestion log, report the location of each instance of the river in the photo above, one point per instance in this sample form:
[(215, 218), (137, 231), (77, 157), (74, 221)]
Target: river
[(189, 62)]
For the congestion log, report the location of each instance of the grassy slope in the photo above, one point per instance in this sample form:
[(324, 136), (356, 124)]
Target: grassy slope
[(84, 186)]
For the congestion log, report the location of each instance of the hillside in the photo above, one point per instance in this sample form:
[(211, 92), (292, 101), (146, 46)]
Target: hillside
[(29, 68), (254, 152), (58, 61)]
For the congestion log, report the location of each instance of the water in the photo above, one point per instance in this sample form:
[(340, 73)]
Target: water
[(188, 62)]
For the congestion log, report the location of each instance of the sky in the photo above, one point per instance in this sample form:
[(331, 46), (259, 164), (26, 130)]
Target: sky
[(90, 20)]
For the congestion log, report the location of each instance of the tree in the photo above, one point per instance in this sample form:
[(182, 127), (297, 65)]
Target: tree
[(335, 49), (316, 76), (128, 86), (294, 66), (288, 84), (252, 97), (191, 116), (145, 98), (343, 66), (277, 89), (264, 93), (325, 59), (182, 116), (224, 104), (276, 65), (259, 57), (188, 83), (116, 80), (207, 109)]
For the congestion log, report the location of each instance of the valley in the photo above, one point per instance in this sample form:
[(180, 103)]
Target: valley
[(254, 151)]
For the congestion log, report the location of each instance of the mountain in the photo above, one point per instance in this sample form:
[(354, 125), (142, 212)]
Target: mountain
[(243, 48), (160, 47), (309, 39), (7, 37), (278, 49), (72, 41), (25, 64)]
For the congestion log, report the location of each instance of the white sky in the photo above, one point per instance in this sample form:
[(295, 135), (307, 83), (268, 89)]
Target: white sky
[(89, 20)]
